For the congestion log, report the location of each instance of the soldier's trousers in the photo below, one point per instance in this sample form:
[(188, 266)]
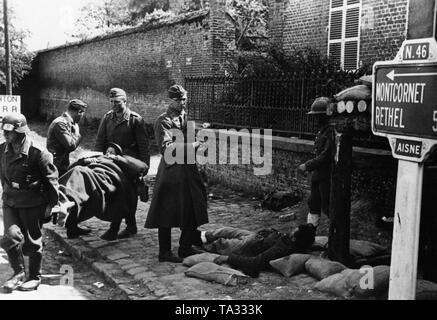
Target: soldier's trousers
[(29, 222), (22, 234), (318, 201)]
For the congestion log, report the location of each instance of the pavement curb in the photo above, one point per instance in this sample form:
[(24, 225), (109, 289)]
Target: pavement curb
[(79, 254)]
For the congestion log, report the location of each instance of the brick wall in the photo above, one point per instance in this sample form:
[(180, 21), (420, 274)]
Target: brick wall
[(144, 61), (383, 29), (296, 24)]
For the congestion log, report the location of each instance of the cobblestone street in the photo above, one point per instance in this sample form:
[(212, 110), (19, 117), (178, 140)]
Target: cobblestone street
[(81, 284), (132, 264)]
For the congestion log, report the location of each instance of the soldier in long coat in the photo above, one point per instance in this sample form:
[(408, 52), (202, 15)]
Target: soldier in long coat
[(179, 198)]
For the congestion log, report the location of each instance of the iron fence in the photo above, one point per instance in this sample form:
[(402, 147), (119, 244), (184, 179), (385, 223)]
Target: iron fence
[(277, 104)]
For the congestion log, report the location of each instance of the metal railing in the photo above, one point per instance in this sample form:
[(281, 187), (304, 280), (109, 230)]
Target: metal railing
[(277, 104)]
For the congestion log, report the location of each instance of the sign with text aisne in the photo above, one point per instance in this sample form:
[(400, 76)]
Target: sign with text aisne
[(9, 104)]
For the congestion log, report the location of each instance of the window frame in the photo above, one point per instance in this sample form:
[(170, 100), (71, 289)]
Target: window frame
[(344, 8)]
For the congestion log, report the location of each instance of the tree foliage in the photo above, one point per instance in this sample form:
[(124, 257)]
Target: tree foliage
[(250, 20), (108, 16), (21, 57)]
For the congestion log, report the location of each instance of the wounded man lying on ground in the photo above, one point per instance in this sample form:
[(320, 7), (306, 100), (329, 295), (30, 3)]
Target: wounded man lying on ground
[(101, 186), (251, 252)]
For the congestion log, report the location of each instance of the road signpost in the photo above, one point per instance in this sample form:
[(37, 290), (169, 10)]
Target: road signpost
[(404, 109), (9, 104)]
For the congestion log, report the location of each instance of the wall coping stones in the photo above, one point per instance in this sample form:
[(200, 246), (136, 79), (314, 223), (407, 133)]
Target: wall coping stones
[(179, 19), (301, 145)]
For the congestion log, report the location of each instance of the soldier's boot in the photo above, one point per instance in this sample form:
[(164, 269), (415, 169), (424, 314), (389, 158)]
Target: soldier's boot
[(112, 233), (16, 260), (34, 279)]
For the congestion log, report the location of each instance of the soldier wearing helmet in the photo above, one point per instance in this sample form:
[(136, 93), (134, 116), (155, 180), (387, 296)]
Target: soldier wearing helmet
[(127, 129), (320, 165), (30, 189)]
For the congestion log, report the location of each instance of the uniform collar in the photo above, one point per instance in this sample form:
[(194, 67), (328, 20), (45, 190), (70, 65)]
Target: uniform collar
[(67, 116), (125, 116), (24, 147), (173, 113)]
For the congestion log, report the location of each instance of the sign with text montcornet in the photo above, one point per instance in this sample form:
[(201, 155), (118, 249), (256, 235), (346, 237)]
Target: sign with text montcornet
[(404, 100)]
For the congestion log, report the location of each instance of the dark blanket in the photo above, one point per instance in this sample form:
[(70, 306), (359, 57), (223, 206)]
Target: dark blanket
[(99, 189)]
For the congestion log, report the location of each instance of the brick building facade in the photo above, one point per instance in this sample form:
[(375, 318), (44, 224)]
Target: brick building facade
[(380, 26)]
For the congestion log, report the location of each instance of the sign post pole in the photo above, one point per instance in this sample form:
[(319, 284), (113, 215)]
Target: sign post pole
[(405, 246)]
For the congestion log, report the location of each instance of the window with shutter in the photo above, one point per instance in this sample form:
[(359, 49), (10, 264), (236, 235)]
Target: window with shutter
[(344, 32)]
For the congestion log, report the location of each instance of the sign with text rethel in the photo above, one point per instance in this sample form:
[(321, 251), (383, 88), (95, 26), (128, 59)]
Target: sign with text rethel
[(9, 104), (405, 99)]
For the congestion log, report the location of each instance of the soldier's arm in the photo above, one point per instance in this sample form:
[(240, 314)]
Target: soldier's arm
[(65, 138), (323, 158), (132, 165), (101, 137), (49, 174), (142, 141), (164, 134)]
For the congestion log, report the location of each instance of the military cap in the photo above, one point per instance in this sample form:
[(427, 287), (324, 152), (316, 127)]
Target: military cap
[(117, 93), (14, 122), (117, 148), (77, 104), (176, 91)]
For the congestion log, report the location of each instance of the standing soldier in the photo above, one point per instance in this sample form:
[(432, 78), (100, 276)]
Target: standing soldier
[(63, 135), (179, 197), (320, 166), (30, 189), (127, 129)]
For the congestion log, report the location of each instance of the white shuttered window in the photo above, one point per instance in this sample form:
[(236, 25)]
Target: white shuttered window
[(344, 32)]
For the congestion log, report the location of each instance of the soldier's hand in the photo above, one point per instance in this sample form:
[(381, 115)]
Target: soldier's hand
[(48, 211), (302, 167), (221, 259)]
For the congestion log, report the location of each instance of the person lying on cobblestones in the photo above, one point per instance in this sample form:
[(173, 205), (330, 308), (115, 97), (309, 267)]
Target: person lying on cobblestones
[(251, 251), (30, 189), (100, 186), (179, 197)]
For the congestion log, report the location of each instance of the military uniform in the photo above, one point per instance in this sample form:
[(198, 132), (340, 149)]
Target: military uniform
[(63, 137), (129, 133), (30, 184), (320, 166)]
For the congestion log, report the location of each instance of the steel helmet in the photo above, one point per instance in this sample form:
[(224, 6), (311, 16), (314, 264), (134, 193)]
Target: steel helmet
[(319, 105), (14, 122)]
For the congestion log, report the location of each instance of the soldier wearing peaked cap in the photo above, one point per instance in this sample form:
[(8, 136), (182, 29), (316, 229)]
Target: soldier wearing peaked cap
[(127, 129), (63, 135), (179, 196), (30, 189)]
